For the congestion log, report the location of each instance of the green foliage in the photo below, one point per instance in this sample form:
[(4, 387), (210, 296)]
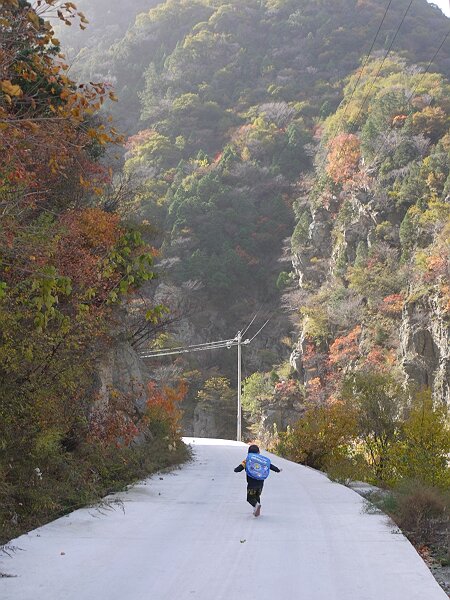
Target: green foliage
[(226, 254), (284, 280), (321, 437), (301, 232), (421, 453), (376, 277), (256, 390), (316, 323), (57, 481), (379, 403), (217, 400)]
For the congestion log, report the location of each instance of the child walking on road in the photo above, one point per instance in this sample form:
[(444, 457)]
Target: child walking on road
[(257, 468)]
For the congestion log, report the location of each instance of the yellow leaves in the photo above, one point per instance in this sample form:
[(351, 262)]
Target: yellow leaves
[(10, 89), (113, 97), (12, 3), (34, 127), (33, 18)]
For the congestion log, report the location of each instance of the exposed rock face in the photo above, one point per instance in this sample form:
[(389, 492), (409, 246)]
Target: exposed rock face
[(425, 346), (213, 421), (280, 415), (123, 371), (310, 260), (422, 340)]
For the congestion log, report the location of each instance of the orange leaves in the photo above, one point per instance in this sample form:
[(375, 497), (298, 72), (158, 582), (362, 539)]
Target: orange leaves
[(437, 266), (393, 305), (88, 236), (99, 229), (343, 157), (9, 89), (345, 349), (162, 407), (40, 124), (117, 421)]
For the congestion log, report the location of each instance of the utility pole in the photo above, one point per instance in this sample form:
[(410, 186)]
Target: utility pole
[(237, 341), (239, 387)]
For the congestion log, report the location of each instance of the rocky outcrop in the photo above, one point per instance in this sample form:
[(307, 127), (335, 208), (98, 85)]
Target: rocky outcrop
[(425, 346), (122, 371), (310, 258), (213, 420)]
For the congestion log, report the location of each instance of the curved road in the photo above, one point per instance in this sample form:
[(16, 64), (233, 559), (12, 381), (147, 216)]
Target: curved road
[(190, 535)]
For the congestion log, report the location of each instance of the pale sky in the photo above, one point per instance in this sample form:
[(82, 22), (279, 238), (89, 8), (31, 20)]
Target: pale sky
[(444, 5)]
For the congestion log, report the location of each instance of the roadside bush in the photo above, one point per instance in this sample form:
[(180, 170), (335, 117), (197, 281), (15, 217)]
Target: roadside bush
[(421, 512), (321, 437), (379, 403), (422, 452)]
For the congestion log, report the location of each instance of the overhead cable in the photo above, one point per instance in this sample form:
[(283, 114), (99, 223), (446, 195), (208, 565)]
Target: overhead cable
[(367, 58), (416, 87), (383, 61)]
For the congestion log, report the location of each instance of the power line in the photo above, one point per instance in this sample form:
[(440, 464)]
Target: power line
[(251, 322), (383, 61), (189, 349), (194, 346), (236, 341), (259, 330), (416, 87), (367, 59)]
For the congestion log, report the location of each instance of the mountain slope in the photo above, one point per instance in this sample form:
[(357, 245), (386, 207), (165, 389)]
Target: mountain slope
[(226, 103)]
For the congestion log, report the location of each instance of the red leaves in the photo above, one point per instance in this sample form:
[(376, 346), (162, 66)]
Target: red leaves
[(345, 349)]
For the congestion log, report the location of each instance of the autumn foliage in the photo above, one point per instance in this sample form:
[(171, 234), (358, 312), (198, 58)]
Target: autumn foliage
[(345, 349), (343, 157), (67, 268), (48, 126)]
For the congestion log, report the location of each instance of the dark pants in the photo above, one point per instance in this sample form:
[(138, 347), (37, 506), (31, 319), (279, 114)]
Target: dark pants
[(254, 495)]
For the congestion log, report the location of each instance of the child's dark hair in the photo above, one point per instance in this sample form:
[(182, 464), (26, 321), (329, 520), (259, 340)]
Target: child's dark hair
[(253, 449)]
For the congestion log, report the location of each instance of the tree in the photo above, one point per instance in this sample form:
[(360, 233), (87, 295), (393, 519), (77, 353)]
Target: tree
[(256, 390), (321, 436), (379, 403), (421, 453), (343, 157)]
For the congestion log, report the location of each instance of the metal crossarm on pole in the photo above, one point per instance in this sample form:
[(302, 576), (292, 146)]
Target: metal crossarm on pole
[(239, 382), (237, 341)]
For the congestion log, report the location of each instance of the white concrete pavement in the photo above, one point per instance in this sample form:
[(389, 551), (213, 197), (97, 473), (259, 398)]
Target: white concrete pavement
[(191, 536)]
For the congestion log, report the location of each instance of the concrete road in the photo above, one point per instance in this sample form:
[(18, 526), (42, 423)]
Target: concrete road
[(190, 535)]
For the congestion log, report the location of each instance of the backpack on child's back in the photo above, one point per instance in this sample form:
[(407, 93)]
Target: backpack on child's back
[(257, 466)]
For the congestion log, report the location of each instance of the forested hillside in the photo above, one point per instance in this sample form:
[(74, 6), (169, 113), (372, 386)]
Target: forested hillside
[(226, 103), (280, 158)]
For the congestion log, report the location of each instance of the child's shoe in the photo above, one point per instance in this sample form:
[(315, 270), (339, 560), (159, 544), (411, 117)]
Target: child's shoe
[(257, 510)]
